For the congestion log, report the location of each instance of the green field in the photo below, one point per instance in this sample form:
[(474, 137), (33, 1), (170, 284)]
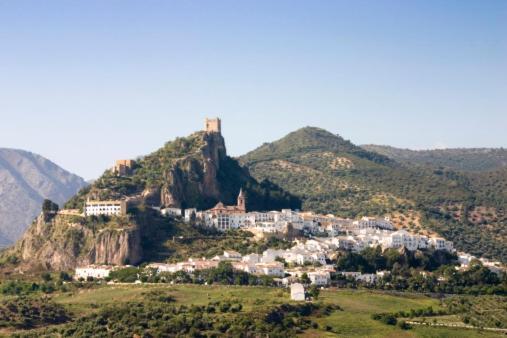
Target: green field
[(354, 321)]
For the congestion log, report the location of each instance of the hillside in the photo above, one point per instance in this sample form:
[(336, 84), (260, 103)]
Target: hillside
[(193, 171), (26, 179), (332, 175), (462, 159)]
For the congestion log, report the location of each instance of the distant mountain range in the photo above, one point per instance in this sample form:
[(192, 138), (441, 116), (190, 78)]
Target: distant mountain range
[(462, 159), (26, 179), (424, 192)]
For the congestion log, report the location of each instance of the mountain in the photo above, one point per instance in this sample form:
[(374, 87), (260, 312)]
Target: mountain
[(192, 171), (332, 175), (461, 159), (26, 179)]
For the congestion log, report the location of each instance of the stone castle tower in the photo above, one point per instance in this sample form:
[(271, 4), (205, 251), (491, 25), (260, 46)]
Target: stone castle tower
[(213, 125), (241, 200)]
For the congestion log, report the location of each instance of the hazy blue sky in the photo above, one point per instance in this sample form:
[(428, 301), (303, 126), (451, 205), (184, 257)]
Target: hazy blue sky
[(86, 82)]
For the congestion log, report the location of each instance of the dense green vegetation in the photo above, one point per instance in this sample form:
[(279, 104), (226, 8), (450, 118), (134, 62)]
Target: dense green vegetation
[(420, 271), (156, 318), (466, 159), (371, 260), (27, 313), (332, 175)]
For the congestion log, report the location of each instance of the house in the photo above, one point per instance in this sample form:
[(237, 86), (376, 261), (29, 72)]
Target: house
[(246, 267), (232, 255), (190, 214), (319, 278), (161, 267), (204, 264), (93, 271), (270, 255), (464, 259), (440, 243), (370, 222), (107, 208), (369, 278), (270, 269), (252, 258), (171, 212), (402, 238), (350, 274), (297, 292)]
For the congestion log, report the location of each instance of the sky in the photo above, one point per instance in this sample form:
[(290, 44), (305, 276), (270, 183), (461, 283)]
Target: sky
[(86, 82)]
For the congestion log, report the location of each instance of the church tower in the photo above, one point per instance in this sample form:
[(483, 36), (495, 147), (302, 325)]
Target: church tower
[(241, 200)]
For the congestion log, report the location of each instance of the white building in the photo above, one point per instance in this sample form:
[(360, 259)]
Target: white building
[(319, 278), (229, 255), (270, 255), (464, 259), (297, 292), (246, 267), (162, 267), (274, 269), (108, 208), (440, 243), (93, 271), (171, 212), (252, 258), (369, 278), (370, 222), (402, 238), (190, 214), (232, 255)]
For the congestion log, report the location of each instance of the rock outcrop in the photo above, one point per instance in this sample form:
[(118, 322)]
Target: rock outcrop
[(196, 175), (65, 242)]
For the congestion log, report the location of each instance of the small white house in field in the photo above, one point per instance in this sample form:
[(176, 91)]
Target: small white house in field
[(297, 292)]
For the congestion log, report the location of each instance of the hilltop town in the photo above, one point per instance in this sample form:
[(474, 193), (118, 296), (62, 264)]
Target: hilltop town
[(317, 238)]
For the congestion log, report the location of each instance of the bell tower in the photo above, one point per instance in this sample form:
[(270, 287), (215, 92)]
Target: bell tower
[(241, 200)]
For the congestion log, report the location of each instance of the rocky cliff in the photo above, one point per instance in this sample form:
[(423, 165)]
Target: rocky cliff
[(65, 242), (26, 179)]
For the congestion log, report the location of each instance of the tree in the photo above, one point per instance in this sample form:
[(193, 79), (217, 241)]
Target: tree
[(305, 279), (49, 209)]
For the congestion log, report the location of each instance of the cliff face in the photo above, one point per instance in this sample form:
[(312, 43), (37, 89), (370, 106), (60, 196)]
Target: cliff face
[(65, 242), (195, 178)]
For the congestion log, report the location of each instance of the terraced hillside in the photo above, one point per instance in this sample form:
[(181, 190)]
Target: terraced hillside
[(462, 159)]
